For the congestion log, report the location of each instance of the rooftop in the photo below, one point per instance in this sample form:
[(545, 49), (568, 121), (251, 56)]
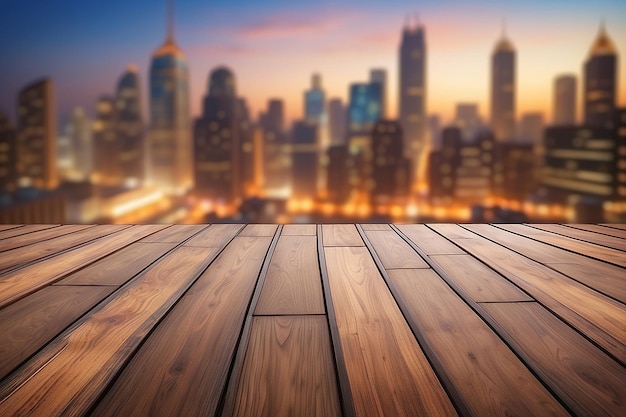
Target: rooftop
[(328, 320)]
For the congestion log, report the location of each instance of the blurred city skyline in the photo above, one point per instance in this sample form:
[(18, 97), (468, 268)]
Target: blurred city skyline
[(274, 48)]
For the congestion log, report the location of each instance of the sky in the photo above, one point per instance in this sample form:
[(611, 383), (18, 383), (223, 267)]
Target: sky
[(274, 46)]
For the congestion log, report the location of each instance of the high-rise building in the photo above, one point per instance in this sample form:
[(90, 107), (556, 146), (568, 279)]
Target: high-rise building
[(276, 152), (37, 136), (315, 101), (434, 131), (81, 140), (275, 115), (106, 147), (305, 160), (337, 117), (503, 90), (412, 106), (565, 100), (246, 140), (390, 176), (217, 148), (379, 75), (338, 171), (468, 120), (531, 129), (130, 134), (600, 83), (170, 147), (8, 156)]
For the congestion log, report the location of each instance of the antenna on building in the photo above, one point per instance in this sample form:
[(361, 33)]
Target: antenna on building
[(170, 20)]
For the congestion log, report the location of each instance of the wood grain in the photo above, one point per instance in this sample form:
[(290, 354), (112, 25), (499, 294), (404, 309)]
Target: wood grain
[(215, 236), (182, 367), (479, 281), (259, 230), (620, 226), (4, 227), (30, 323), (341, 235), (584, 235), (288, 370), (293, 284), (590, 383), (299, 230), (603, 230), (388, 373), (451, 231), (29, 279), (68, 376), (175, 234), (427, 240), (372, 226), (488, 378), (22, 230), (393, 251), (120, 266), (599, 317), (39, 236), (15, 258)]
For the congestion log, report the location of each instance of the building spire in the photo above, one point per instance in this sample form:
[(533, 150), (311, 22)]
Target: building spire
[(170, 21)]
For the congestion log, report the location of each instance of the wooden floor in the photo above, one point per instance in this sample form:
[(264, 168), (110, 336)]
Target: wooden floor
[(313, 320)]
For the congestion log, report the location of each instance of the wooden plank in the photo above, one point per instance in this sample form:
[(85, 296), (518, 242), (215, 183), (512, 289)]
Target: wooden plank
[(482, 372), (215, 236), (372, 226), (341, 235), (69, 375), (584, 235), (22, 256), (29, 279), (39, 236), (393, 251), (175, 234), (451, 231), (599, 229), (430, 242), (299, 230), (605, 278), (185, 375), (120, 266), (599, 317), (22, 230), (259, 230), (293, 284), (479, 281), (30, 323), (291, 357), (588, 381), (388, 373), (615, 225), (4, 227)]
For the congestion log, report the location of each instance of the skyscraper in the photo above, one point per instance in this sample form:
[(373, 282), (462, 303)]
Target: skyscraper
[(217, 149), (336, 121), (531, 129), (468, 120), (130, 127), (315, 101), (37, 136), (8, 154), (565, 100), (390, 173), (503, 90), (379, 75), (107, 167), (412, 110), (170, 161), (80, 138), (600, 79), (304, 169)]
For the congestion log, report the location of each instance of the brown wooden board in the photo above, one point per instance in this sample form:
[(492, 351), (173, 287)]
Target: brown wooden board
[(288, 370), (69, 375), (293, 284), (485, 375), (341, 235), (22, 230), (120, 266), (451, 231), (603, 230), (39, 236), (259, 230), (4, 227), (30, 323), (587, 380), (599, 317), (175, 234), (24, 281), (388, 373), (373, 226), (479, 281), (427, 240), (181, 369), (299, 230), (585, 235), (615, 225), (215, 236), (21, 256), (393, 251), (605, 278)]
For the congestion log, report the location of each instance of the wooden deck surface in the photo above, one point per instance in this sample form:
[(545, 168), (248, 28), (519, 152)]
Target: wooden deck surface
[(313, 320)]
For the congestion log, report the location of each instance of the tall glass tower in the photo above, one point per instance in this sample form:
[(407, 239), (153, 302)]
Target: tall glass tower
[(503, 90), (170, 162), (413, 91), (130, 126), (600, 80)]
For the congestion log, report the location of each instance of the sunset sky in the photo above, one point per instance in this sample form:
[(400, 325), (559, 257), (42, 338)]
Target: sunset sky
[(274, 46)]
